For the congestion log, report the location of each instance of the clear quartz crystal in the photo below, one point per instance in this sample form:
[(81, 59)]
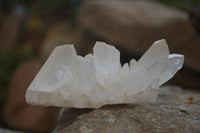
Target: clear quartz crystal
[(69, 80)]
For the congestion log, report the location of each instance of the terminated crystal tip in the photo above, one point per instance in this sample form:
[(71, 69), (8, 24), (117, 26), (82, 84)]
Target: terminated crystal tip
[(69, 80)]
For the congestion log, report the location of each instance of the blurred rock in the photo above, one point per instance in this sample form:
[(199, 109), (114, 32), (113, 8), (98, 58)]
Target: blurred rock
[(61, 33), (194, 15), (171, 114), (35, 32), (186, 78), (134, 25), (11, 30), (9, 131), (17, 113)]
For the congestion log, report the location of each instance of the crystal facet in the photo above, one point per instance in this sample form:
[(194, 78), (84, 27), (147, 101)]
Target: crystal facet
[(69, 80)]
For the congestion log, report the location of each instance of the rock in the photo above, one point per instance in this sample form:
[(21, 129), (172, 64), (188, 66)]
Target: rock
[(133, 25), (186, 78), (59, 34), (69, 115), (11, 30), (17, 113), (194, 15), (175, 95), (9, 131), (35, 32), (170, 114)]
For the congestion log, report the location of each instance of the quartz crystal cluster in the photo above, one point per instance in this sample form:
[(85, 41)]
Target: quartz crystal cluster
[(70, 80)]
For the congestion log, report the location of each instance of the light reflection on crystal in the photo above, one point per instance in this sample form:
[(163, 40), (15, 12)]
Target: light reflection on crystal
[(68, 80)]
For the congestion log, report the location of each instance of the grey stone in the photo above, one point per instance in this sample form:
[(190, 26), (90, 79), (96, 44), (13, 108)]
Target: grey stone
[(170, 114)]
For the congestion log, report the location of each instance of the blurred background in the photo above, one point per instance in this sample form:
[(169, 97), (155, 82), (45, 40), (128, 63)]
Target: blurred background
[(30, 30)]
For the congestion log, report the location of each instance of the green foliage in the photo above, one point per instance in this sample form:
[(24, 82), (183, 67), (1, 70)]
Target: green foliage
[(184, 5), (9, 60)]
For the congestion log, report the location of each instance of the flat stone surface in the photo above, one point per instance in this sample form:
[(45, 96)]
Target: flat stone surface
[(177, 110), (176, 95)]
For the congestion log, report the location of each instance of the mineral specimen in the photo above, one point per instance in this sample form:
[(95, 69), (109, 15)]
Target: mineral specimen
[(69, 80)]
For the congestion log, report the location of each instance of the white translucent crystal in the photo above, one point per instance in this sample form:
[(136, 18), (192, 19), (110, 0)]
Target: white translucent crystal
[(69, 80)]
